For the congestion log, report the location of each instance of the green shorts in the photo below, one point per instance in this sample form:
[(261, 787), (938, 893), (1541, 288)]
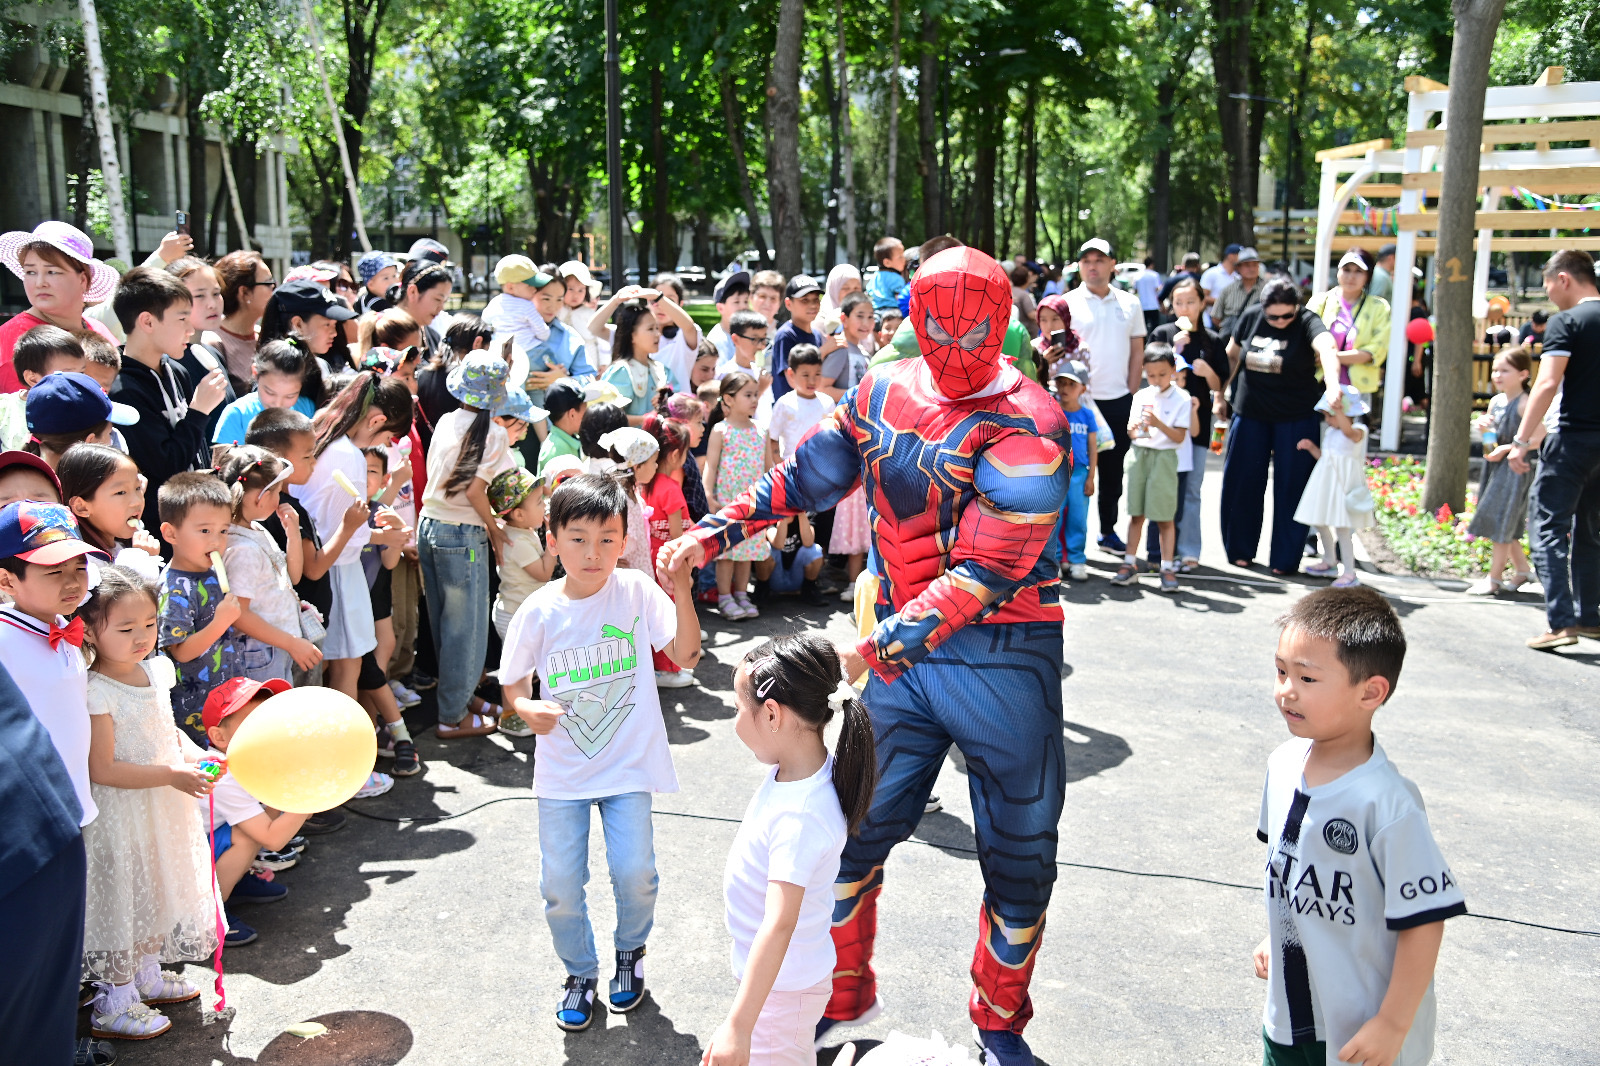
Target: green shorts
[(1152, 483), (1312, 1054)]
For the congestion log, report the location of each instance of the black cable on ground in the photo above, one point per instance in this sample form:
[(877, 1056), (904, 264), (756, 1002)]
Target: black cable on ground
[(966, 851)]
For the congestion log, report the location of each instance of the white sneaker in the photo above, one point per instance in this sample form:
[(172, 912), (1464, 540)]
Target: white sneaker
[(1078, 572), (848, 594), (377, 784), (404, 696), (668, 679)]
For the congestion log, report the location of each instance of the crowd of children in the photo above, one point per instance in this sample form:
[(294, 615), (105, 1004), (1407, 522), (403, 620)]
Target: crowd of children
[(304, 523)]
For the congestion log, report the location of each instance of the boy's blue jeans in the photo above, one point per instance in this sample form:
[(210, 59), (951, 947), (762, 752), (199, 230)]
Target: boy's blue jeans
[(455, 579), (564, 871), (1072, 532)]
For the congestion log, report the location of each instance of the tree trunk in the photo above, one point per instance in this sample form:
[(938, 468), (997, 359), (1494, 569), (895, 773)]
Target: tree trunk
[(846, 155), (1159, 206), (928, 123), (783, 108), (355, 99), (1030, 178), (831, 243), (1448, 436), (666, 228), (700, 247), (732, 118), (894, 117), (983, 164), (110, 165), (243, 236), (198, 184), (1230, 58), (1257, 126)]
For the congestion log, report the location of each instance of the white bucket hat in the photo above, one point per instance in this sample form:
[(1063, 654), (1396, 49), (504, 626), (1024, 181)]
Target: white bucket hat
[(70, 241)]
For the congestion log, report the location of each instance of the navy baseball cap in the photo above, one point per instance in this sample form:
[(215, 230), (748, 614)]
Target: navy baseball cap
[(1232, 249), (737, 282), (42, 533), (302, 299), (72, 403)]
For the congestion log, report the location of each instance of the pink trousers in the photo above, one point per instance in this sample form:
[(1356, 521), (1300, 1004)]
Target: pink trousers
[(787, 1027)]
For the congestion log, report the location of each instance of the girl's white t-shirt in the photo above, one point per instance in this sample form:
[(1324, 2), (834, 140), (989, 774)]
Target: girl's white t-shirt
[(593, 656), (326, 502), (448, 436), (675, 354), (793, 831)]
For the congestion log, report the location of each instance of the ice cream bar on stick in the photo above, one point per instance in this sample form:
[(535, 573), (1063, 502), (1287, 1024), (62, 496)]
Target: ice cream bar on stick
[(1185, 325), (222, 571), (344, 483)]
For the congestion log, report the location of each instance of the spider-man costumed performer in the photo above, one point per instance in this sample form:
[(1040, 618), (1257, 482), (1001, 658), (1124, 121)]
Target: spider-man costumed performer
[(966, 464)]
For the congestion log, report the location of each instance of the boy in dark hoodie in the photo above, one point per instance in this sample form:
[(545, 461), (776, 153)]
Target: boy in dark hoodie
[(170, 436)]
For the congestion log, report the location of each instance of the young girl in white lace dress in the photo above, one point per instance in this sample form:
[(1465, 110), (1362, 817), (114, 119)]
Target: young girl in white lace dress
[(151, 892), (1341, 470)]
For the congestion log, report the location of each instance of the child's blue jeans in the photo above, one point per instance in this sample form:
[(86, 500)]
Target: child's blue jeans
[(564, 871), (1072, 532)]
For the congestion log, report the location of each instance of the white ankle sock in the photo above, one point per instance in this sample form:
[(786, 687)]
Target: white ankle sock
[(114, 999)]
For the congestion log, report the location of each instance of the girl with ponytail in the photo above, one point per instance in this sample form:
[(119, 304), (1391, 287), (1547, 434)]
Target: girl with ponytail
[(778, 883)]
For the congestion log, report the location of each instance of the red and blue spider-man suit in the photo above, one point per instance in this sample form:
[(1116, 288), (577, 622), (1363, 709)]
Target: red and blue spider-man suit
[(965, 464)]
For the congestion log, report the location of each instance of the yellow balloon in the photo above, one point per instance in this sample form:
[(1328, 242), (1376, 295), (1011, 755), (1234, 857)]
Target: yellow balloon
[(305, 750)]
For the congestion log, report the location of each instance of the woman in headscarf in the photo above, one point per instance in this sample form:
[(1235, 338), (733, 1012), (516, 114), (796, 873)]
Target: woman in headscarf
[(843, 280)]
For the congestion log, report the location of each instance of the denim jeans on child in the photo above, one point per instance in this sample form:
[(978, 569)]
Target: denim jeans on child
[(564, 871), (1189, 508), (1072, 532), (455, 578)]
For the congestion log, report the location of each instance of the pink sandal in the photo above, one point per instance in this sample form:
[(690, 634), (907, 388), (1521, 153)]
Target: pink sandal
[(1348, 581), (1322, 569)]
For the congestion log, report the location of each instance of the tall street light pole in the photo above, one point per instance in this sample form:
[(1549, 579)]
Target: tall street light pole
[(614, 145)]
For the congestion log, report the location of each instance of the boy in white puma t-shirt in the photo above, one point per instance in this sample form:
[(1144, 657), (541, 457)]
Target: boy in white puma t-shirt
[(589, 638), (1357, 891)]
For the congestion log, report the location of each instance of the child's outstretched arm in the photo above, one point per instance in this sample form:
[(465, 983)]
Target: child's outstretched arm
[(1378, 1042), (730, 1044), (105, 769)]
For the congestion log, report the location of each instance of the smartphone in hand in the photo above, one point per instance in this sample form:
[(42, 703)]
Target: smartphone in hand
[(180, 222)]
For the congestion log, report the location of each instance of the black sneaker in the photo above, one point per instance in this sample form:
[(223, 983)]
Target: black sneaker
[(406, 762), (1001, 1047), (627, 988), (326, 822), (577, 1004), (417, 681), (811, 595)]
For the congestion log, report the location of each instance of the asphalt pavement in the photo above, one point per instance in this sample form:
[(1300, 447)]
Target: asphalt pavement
[(416, 934)]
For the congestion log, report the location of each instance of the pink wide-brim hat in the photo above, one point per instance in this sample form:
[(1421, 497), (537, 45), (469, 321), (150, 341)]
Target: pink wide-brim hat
[(71, 242)]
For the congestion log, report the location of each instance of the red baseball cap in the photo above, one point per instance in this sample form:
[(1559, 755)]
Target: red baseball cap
[(28, 459), (233, 694)]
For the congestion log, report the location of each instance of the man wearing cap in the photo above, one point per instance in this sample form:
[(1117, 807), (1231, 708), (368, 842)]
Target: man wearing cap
[(1111, 325), (1246, 292), (1383, 274), (1218, 277), (378, 271), (731, 296)]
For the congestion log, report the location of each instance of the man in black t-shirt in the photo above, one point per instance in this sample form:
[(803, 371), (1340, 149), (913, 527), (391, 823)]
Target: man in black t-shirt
[(1565, 516), (1533, 329)]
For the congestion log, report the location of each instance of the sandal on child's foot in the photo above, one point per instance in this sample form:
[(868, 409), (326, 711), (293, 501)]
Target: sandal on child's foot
[(1322, 569), (577, 1004), (627, 987), (1125, 575), (1487, 587), (1519, 579), (1347, 581), (167, 986), (471, 725)]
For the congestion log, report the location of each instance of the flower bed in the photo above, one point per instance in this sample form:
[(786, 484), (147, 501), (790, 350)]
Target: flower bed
[(1426, 542)]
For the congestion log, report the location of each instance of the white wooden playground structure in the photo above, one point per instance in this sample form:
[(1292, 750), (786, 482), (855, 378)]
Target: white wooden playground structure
[(1522, 125)]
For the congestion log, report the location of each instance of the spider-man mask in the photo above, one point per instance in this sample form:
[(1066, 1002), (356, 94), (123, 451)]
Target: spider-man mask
[(960, 309)]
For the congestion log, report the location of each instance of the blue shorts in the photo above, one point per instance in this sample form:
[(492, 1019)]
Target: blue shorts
[(221, 840), (788, 578)]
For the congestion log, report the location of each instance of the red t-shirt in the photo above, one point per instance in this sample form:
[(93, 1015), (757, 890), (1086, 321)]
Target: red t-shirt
[(664, 497), (16, 327)]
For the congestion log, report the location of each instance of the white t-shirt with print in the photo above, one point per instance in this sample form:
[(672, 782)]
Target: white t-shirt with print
[(1349, 864), (448, 436), (793, 416), (793, 831), (675, 354), (1171, 405), (593, 656)]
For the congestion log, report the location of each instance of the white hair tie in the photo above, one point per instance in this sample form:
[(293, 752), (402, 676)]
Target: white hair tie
[(841, 695)]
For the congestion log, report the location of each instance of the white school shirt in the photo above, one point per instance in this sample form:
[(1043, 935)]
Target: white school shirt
[(1215, 280), (56, 686), (792, 831), (229, 799), (448, 437), (326, 502), (793, 418), (1349, 864), (593, 656), (1171, 406), (1106, 326)]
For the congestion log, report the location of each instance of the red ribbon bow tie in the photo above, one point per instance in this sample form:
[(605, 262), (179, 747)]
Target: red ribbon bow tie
[(72, 633)]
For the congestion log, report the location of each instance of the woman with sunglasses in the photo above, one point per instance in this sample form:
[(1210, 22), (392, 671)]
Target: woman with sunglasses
[(247, 285), (1275, 352)]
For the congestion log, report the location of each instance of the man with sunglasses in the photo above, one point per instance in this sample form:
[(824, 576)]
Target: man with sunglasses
[(1275, 351)]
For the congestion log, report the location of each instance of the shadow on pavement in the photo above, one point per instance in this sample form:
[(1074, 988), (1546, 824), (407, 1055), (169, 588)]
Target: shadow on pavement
[(644, 1035)]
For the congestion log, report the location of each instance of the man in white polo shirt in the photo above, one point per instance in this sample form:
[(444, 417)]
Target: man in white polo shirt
[(1111, 325)]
